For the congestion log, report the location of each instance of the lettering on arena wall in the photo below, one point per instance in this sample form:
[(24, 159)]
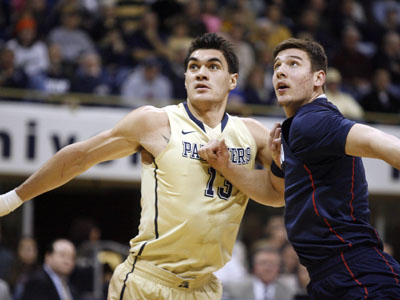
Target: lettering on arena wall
[(31, 133), (395, 174), (57, 141), (5, 147)]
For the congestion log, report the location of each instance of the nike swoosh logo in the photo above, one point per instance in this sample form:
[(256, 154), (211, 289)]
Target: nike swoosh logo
[(187, 132)]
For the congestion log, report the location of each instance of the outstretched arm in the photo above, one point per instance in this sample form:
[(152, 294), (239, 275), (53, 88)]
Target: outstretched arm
[(260, 185), (366, 141), (124, 139)]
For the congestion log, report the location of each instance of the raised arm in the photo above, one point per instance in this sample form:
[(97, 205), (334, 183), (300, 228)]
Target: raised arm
[(366, 141), (126, 138), (260, 185)]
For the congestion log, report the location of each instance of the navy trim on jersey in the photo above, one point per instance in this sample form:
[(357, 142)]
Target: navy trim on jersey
[(121, 296), (224, 121), (200, 124), (156, 201), (193, 118)]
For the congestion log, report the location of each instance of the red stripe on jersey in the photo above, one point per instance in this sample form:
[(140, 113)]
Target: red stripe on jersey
[(387, 263), (354, 277), (313, 187), (352, 191), (316, 209)]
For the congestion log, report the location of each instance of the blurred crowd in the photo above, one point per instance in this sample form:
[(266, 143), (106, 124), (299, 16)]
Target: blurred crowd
[(135, 49), (79, 266)]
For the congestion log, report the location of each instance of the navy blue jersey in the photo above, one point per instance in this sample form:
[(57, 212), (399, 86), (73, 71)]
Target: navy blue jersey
[(325, 190)]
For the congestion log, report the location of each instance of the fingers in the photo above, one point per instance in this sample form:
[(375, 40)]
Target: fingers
[(213, 150), (275, 137)]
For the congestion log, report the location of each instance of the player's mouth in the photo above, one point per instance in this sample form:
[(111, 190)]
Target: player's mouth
[(201, 87), (281, 87)]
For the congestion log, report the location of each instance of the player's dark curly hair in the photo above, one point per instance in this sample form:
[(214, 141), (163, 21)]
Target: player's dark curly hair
[(315, 52), (213, 41)]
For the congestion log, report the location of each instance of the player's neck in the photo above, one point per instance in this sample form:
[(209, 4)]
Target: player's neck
[(291, 107), (207, 112)]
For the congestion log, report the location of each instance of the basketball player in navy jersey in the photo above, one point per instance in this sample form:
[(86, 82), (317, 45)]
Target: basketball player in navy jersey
[(327, 214), (190, 213)]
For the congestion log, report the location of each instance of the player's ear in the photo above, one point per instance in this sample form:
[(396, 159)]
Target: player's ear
[(233, 81), (319, 78)]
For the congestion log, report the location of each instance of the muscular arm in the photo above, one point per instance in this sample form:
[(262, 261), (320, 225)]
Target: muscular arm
[(260, 185), (127, 137), (366, 141)]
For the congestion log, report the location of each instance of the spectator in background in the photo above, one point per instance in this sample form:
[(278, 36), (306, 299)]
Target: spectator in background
[(388, 56), (4, 21), (275, 234), (290, 265), (177, 46), (380, 99), (51, 281), (242, 48), (347, 13), (26, 265), (90, 77), (4, 290), (72, 40), (237, 268), (6, 260), (147, 85), (192, 12), (381, 8), (146, 41), (210, 16), (275, 29), (117, 60), (113, 49), (302, 281), (345, 102), (391, 21), (40, 11), (10, 75), (354, 66), (266, 61), (265, 282), (57, 77), (255, 91), (30, 54)]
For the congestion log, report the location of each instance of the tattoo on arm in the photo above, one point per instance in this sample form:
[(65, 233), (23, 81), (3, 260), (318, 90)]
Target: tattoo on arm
[(165, 138)]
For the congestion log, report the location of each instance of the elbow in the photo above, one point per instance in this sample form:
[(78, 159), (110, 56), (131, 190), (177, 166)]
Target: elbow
[(276, 200), (280, 203), (73, 161)]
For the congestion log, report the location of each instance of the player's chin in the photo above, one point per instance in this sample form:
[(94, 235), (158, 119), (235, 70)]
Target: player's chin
[(283, 101)]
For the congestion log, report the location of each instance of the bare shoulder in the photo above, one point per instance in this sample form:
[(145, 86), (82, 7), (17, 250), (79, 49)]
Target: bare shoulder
[(142, 120), (259, 132)]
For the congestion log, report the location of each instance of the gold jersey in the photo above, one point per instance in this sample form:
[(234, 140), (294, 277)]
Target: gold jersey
[(190, 214)]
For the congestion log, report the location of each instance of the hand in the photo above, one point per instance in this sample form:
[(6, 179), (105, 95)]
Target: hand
[(216, 154), (275, 143)]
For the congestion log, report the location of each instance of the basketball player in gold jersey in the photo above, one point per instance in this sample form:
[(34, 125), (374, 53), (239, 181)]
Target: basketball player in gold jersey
[(190, 213)]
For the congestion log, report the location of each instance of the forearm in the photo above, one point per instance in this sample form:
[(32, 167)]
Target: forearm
[(58, 170), (260, 185)]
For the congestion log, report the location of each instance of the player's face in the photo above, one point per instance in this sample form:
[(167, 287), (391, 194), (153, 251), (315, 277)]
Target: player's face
[(293, 80), (207, 77)]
